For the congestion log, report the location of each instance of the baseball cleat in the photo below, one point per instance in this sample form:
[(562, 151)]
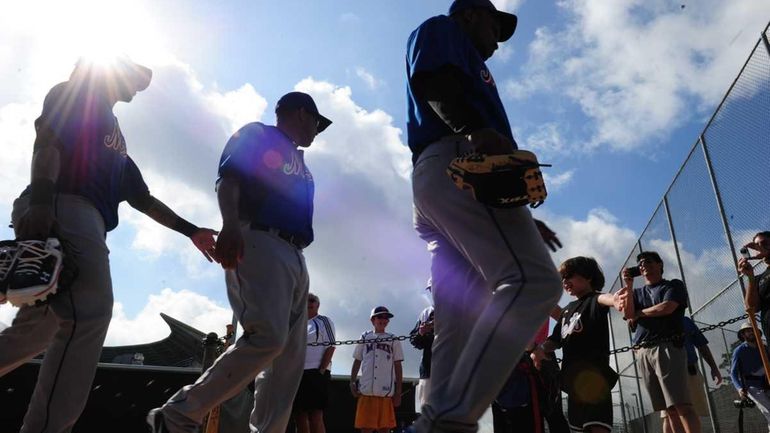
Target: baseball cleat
[(36, 272), (7, 259)]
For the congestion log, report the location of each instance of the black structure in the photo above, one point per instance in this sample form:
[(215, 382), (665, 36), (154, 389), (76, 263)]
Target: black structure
[(122, 394)]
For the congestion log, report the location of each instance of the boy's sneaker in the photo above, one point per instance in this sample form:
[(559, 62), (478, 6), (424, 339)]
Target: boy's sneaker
[(36, 271), (7, 259)]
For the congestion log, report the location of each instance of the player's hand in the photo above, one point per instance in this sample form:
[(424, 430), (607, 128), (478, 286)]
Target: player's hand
[(537, 356), (716, 375), (354, 389), (397, 400), (204, 241), (229, 246), (549, 237), (628, 280), (36, 223), (745, 268), (743, 393), (619, 299), (490, 142)]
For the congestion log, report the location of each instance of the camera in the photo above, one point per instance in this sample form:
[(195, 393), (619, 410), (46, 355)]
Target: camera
[(634, 271), (745, 253), (743, 403)]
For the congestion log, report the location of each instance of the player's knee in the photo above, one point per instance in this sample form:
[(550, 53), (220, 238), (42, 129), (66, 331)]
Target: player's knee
[(270, 342)]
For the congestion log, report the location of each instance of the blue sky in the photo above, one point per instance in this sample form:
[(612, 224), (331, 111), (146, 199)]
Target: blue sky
[(613, 94)]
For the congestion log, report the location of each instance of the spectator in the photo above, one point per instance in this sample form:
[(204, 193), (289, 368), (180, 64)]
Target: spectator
[(313, 393), (379, 389), (747, 372), (582, 332), (758, 290), (694, 339), (550, 376), (518, 407), (422, 339), (655, 312)]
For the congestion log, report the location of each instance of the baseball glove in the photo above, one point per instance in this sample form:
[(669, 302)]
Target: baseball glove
[(501, 181)]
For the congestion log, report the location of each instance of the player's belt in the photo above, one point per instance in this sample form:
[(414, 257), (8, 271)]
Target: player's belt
[(293, 239)]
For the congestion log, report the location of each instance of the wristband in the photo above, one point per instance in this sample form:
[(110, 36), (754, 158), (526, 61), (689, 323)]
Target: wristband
[(184, 227), (41, 192)]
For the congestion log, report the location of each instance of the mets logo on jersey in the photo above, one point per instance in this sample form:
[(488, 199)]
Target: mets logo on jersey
[(295, 167), (115, 141), (574, 326), (486, 76)]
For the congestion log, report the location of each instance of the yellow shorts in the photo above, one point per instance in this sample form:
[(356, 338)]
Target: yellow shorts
[(375, 413)]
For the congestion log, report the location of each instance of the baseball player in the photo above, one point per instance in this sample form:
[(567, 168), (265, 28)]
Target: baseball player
[(81, 171), (265, 195), (493, 279), (379, 388)]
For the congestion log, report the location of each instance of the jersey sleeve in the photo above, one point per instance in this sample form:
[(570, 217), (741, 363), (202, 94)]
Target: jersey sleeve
[(398, 353), (132, 186), (331, 332), (241, 153), (692, 331), (675, 291), (437, 43)]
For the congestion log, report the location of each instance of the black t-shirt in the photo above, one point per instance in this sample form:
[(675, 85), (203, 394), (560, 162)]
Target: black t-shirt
[(763, 285), (583, 332), (652, 328)]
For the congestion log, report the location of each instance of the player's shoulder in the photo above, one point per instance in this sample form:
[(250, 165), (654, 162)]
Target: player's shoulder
[(439, 23)]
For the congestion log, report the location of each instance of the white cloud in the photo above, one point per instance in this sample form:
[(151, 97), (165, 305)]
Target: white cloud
[(637, 68), (368, 78), (557, 181), (147, 326), (507, 5), (18, 135)]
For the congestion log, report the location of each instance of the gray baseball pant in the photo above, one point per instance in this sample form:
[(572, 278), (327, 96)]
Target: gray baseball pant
[(268, 294), (70, 328), (493, 283)]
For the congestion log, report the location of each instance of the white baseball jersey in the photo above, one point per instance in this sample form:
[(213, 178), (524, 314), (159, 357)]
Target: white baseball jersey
[(378, 373), (320, 329)]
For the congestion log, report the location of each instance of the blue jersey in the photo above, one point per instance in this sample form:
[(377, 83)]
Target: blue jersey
[(438, 42), (94, 162), (746, 369), (276, 188), (692, 340)]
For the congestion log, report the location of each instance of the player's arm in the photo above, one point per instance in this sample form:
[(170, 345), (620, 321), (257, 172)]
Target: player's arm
[(202, 238), (399, 378), (705, 352), (444, 92), (354, 376), (751, 299), (39, 218), (229, 247), (662, 309)]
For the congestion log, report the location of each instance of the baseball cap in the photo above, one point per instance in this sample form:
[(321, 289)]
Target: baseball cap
[(380, 311), (507, 21), (297, 100), (119, 67), (744, 327)]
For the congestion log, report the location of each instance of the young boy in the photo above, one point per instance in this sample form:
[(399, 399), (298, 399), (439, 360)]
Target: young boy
[(379, 388), (582, 332)]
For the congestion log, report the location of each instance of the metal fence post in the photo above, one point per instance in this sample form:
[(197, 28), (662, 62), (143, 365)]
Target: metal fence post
[(617, 365), (720, 206), (712, 410)]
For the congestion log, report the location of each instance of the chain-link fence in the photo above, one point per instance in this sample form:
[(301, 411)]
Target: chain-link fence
[(714, 205)]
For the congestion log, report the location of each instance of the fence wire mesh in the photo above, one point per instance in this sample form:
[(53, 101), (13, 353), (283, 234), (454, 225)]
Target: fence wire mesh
[(714, 206)]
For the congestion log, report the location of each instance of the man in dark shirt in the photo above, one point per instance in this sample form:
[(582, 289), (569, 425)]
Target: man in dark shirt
[(422, 339), (656, 313), (81, 172), (758, 290), (265, 195)]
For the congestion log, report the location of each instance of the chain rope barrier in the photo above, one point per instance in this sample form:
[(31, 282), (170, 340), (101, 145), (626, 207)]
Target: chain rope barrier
[(641, 345)]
